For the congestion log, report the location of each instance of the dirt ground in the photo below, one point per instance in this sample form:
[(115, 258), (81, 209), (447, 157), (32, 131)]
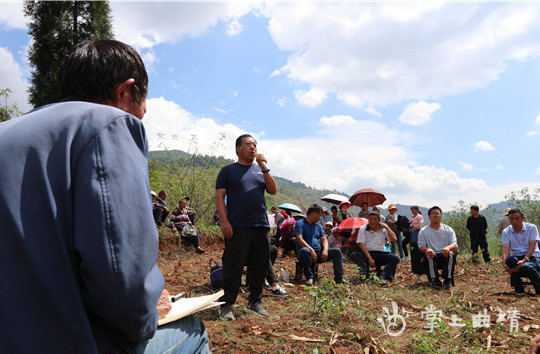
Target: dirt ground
[(482, 291)]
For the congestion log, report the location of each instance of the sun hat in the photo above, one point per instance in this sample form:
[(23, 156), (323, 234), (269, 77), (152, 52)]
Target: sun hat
[(506, 211), (329, 223), (392, 206), (346, 202), (153, 193)]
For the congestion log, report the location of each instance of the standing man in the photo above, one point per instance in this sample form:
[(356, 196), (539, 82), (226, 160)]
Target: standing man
[(244, 223), (521, 256), (325, 217), (77, 277), (438, 241), (392, 221), (372, 240), (312, 246), (477, 226)]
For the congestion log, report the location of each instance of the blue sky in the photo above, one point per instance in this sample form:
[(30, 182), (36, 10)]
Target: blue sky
[(429, 102)]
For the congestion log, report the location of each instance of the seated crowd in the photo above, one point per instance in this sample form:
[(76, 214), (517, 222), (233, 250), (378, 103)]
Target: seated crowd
[(433, 248)]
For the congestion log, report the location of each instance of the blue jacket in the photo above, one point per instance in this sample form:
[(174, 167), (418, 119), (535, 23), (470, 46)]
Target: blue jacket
[(78, 271)]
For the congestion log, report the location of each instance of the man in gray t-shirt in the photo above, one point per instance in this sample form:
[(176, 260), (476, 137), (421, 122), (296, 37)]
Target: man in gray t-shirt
[(439, 243)]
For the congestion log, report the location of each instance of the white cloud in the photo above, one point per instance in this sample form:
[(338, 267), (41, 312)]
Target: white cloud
[(499, 167), (146, 24), (234, 27), (537, 172), (169, 126), (382, 164), (372, 53), (11, 77), (467, 167), (373, 111), (282, 101), (418, 113), (483, 146), (149, 58), (311, 98), (12, 15), (337, 120), (536, 124)]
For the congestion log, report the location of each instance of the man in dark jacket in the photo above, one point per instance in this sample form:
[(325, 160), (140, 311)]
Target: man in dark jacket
[(477, 226), (78, 278)]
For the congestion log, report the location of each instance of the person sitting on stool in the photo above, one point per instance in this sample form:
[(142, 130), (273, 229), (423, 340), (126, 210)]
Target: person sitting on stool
[(312, 246), (372, 240), (521, 256)]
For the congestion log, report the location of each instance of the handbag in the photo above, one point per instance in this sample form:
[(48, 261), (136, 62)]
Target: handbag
[(216, 274), (189, 231)]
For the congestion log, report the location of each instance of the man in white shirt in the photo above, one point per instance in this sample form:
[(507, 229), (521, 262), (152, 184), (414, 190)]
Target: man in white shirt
[(521, 256), (439, 243), (372, 240)]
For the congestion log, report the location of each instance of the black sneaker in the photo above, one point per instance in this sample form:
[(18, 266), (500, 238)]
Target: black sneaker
[(225, 312), (519, 290), (258, 308), (436, 284), (447, 284)]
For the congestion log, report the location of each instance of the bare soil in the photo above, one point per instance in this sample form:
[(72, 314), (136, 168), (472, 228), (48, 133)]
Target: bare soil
[(293, 326)]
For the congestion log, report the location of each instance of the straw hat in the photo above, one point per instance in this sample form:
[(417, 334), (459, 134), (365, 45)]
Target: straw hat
[(392, 206), (506, 211)]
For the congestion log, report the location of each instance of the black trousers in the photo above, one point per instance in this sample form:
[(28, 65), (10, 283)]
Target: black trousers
[(447, 264), (248, 246), (479, 240), (270, 275), (406, 240)]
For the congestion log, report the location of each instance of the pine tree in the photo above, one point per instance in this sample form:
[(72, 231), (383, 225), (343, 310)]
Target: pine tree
[(55, 27)]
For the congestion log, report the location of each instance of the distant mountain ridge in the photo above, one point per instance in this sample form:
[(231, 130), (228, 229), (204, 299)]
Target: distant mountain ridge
[(291, 192)]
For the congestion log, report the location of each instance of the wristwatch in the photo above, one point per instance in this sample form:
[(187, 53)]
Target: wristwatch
[(266, 171), (526, 259)]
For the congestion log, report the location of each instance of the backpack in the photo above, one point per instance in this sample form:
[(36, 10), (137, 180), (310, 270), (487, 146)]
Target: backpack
[(403, 224), (216, 274)]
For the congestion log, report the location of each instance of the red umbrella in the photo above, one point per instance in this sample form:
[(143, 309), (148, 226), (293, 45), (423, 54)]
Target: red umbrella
[(371, 196), (352, 223)]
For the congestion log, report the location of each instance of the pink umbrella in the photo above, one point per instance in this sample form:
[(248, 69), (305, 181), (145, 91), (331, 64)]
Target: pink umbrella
[(287, 222)]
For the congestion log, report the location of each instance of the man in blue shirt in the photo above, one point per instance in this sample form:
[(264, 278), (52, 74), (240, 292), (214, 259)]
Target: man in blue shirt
[(244, 223), (78, 278), (312, 245), (521, 256)]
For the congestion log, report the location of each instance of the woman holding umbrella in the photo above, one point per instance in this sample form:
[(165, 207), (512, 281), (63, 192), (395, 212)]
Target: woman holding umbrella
[(344, 214)]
